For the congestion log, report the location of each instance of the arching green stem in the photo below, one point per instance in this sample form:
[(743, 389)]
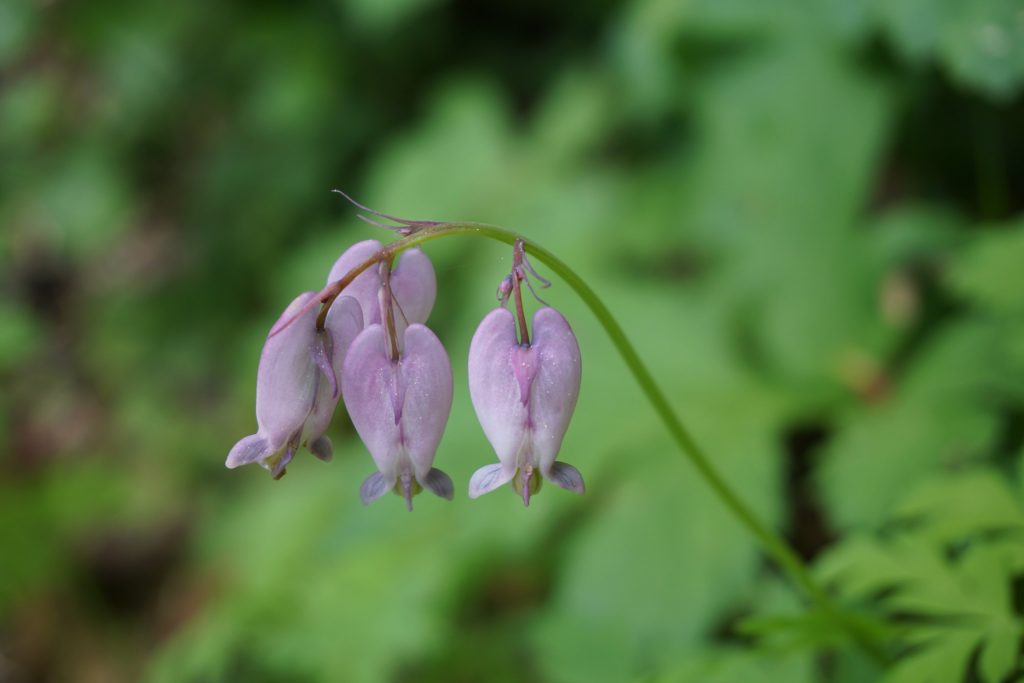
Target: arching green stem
[(773, 544)]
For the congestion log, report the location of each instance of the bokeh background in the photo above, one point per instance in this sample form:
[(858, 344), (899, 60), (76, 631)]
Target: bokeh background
[(806, 214)]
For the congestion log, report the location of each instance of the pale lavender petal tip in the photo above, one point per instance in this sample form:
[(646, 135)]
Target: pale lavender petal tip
[(488, 478), (251, 449), (375, 486)]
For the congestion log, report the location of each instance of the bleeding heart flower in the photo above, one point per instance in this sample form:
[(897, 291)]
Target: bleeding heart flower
[(524, 396), (297, 385), (413, 284), (399, 407)]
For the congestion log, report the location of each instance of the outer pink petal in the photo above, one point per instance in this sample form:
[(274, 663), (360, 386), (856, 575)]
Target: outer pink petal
[(344, 322), (285, 385), (285, 381), (493, 386), (425, 376), (414, 287), (370, 391), (556, 385), (364, 288)]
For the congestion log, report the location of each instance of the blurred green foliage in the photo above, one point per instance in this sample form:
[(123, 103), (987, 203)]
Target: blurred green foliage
[(806, 213)]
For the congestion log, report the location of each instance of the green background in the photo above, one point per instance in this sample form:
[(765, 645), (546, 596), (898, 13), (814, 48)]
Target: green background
[(805, 213)]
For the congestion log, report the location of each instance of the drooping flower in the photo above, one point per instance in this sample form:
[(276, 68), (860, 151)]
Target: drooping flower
[(413, 284), (524, 396), (399, 403), (297, 384)]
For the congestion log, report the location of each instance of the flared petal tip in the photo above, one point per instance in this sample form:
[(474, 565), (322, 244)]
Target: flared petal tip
[(566, 476), (375, 486), (252, 448), (488, 478), (322, 448), (439, 483)]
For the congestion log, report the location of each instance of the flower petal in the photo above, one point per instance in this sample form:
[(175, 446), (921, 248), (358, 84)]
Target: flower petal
[(277, 469), (425, 385), (251, 449), (493, 386), (287, 376), (365, 286), (344, 322), (556, 385), (488, 478), (414, 288), (375, 486), (565, 475), (370, 390), (439, 483), (322, 448)]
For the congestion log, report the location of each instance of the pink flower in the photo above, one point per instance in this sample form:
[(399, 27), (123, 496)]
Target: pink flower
[(297, 385), (399, 404), (524, 396)]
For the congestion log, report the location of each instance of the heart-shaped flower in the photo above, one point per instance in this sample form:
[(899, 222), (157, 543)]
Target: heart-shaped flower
[(297, 384), (399, 407), (524, 396)]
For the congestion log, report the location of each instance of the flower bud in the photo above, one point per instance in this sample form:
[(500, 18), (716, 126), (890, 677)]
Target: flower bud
[(524, 396)]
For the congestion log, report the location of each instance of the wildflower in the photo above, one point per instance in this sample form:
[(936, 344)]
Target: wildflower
[(524, 395), (399, 400), (297, 385)]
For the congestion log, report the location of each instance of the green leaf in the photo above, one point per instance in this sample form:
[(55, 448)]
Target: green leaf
[(727, 665), (914, 26), (942, 661), (763, 124), (988, 272), (983, 46), (950, 581), (981, 42), (936, 416), (952, 508), (1001, 653)]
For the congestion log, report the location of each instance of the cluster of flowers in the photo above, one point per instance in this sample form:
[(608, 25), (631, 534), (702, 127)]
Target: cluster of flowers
[(373, 350)]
